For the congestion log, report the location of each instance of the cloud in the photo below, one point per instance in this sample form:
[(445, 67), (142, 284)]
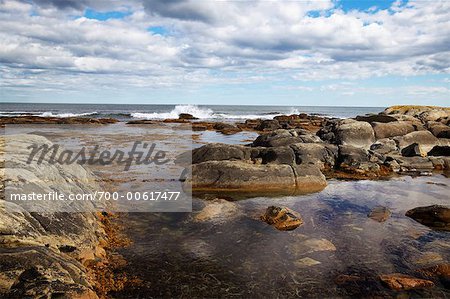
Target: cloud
[(217, 41)]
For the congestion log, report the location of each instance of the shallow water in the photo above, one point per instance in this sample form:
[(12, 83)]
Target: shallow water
[(242, 256)]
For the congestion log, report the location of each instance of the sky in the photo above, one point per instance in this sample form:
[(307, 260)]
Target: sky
[(322, 52)]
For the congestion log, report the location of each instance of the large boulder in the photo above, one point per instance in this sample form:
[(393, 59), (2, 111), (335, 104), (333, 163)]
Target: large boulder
[(392, 129), (268, 125), (284, 137), (277, 155), (439, 129), (424, 138), (236, 177), (436, 217), (359, 161), (322, 155), (219, 152), (384, 146), (413, 150), (356, 133)]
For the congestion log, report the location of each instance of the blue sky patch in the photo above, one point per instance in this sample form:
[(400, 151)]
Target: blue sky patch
[(158, 30), (103, 16), (365, 5)]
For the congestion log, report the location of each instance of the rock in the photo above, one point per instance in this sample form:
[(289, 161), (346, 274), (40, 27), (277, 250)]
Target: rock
[(284, 137), (408, 164), (380, 118), (435, 216), (55, 120), (142, 122), (439, 129), (268, 125), (357, 133), (308, 246), (306, 262), (220, 152), (186, 116), (440, 270), (282, 218), (384, 146), (392, 129), (400, 282), (217, 211), (278, 155), (440, 151), (425, 113), (43, 253), (380, 214), (424, 138), (237, 177), (322, 155), (227, 129), (413, 150)]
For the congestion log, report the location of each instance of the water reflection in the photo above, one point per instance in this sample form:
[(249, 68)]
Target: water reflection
[(338, 251)]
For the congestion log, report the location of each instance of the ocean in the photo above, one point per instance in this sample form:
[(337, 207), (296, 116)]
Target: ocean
[(205, 112)]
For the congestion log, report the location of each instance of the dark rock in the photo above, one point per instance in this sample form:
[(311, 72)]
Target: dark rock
[(439, 129), (220, 152), (436, 217), (284, 137), (440, 151), (227, 129), (282, 218), (186, 116), (413, 150), (392, 129), (398, 282), (278, 155), (380, 214), (380, 118), (142, 122), (268, 125)]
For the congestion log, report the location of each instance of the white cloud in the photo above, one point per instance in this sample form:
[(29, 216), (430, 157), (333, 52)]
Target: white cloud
[(209, 40)]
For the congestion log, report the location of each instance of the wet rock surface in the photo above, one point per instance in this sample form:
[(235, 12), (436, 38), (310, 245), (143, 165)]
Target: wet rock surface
[(435, 216)]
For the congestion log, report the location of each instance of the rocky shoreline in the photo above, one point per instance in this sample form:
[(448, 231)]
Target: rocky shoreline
[(47, 254)]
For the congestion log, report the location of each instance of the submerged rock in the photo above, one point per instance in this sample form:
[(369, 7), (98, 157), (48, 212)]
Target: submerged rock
[(303, 247), (306, 262), (399, 282), (379, 214), (436, 216), (282, 218), (217, 211)]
